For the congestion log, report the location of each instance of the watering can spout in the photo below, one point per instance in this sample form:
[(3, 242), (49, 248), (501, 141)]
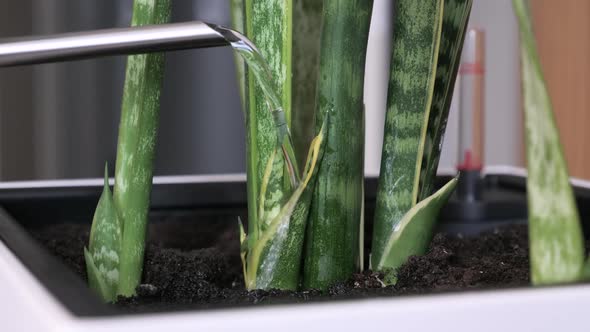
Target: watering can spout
[(90, 44)]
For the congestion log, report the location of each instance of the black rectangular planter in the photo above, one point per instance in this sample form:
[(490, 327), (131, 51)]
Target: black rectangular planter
[(25, 208)]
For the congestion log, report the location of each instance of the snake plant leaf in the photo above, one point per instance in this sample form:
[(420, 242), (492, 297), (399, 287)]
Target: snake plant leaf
[(455, 18), (268, 25), (413, 233), (293, 41), (555, 234), (272, 191), (96, 281), (307, 23), (272, 169), (243, 247), (273, 177), (104, 248), (275, 259), (416, 40), (332, 248), (239, 24), (138, 130)]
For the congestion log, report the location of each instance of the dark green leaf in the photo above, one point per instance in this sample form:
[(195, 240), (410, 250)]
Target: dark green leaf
[(332, 247), (417, 32), (455, 19)]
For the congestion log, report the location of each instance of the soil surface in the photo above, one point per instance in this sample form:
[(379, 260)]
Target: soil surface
[(198, 266)]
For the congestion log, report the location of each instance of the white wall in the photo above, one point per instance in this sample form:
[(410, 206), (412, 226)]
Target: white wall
[(503, 120), (376, 80)]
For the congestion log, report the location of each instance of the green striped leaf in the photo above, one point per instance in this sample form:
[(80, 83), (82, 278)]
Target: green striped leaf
[(413, 233), (272, 191), (332, 248), (96, 281), (104, 248), (427, 46), (305, 20), (555, 235), (455, 18), (274, 260), (138, 130), (239, 24), (273, 178), (307, 23), (268, 25), (417, 32)]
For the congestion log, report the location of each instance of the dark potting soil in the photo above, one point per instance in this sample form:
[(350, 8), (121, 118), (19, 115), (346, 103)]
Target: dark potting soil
[(190, 266)]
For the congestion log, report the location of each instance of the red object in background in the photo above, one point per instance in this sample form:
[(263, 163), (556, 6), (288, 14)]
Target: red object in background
[(471, 107), (469, 163), (471, 69)]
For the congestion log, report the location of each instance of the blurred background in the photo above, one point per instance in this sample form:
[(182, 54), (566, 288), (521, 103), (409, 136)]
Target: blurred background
[(61, 120)]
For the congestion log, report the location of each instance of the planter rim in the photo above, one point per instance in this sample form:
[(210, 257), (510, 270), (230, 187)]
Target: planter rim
[(549, 308), (538, 309), (241, 177), (98, 182)]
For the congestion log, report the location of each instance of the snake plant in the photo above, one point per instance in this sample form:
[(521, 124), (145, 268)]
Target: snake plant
[(280, 197), (427, 43), (279, 194), (114, 258), (555, 234), (269, 23)]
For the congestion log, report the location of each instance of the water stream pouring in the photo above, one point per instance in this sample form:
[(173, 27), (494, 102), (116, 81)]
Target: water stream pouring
[(261, 71), (148, 39)]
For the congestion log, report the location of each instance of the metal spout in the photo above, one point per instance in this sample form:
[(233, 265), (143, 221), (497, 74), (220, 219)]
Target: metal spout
[(90, 44)]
